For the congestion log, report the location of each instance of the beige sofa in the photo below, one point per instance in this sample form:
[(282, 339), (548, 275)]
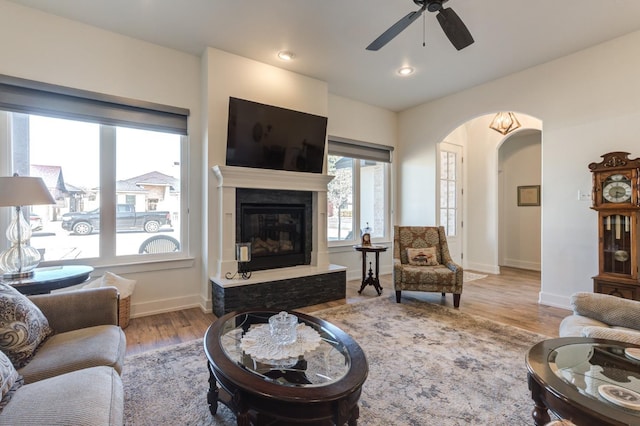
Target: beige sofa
[(602, 316), (74, 376)]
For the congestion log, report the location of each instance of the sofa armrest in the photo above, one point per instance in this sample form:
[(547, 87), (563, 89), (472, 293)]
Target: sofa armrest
[(611, 310), (628, 336), (77, 309)]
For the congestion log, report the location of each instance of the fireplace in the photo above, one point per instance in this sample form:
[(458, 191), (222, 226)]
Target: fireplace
[(265, 192), (277, 223)]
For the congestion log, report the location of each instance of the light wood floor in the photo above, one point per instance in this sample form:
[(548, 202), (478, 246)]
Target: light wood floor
[(510, 298)]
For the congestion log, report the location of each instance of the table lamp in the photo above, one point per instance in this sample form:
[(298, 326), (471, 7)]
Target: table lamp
[(19, 260)]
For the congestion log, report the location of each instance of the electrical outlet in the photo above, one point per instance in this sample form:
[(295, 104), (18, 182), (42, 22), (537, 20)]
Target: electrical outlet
[(584, 196)]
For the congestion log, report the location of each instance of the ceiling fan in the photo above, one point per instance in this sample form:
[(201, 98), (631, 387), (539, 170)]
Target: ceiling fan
[(450, 22)]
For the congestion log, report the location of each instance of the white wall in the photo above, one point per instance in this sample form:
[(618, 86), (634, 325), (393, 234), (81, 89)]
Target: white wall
[(589, 105), (520, 164), (43, 47)]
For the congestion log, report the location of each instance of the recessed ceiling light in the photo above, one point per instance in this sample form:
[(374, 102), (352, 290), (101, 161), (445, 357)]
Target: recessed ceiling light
[(286, 55), (406, 71)]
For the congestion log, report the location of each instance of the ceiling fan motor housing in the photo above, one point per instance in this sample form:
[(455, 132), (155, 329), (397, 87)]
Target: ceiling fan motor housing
[(431, 5)]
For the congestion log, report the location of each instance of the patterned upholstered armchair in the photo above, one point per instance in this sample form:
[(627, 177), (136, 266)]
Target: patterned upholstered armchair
[(421, 262)]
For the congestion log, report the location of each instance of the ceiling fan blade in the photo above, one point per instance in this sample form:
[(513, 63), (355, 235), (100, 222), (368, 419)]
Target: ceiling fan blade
[(454, 28), (394, 30)]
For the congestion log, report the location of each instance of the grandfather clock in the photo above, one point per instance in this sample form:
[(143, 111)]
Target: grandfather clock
[(616, 197)]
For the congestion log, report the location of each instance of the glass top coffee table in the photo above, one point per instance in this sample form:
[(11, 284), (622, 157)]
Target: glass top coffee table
[(318, 384), (588, 381)]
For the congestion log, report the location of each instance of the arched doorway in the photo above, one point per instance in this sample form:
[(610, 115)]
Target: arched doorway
[(483, 201)]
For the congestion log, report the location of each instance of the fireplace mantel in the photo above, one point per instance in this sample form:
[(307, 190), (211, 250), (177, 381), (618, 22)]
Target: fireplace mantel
[(247, 177), (229, 178)]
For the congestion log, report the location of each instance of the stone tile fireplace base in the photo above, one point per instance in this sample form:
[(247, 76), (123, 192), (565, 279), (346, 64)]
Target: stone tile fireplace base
[(281, 294)]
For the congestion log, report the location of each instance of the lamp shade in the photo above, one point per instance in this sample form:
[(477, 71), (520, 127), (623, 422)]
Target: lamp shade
[(23, 191)]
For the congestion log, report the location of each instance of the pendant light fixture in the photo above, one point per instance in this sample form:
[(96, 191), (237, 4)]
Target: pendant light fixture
[(504, 122)]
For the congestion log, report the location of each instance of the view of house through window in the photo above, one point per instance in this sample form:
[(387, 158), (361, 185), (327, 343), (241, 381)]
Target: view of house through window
[(340, 198), (357, 199), (147, 170), (142, 172)]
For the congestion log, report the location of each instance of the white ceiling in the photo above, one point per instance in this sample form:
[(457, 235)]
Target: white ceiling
[(329, 37)]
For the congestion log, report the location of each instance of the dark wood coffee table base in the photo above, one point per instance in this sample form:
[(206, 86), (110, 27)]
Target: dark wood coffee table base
[(252, 409), (262, 399)]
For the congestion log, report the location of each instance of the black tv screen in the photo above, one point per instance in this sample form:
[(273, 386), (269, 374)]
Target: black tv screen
[(270, 137)]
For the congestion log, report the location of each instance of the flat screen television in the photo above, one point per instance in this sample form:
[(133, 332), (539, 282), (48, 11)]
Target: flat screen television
[(270, 137)]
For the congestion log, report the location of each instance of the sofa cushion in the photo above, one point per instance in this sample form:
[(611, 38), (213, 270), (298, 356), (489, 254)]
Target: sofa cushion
[(614, 311), (93, 396), (77, 349), (427, 276), (422, 256), (10, 380), (23, 327)]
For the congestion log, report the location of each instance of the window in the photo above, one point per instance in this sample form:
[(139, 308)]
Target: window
[(112, 165), (358, 196), (448, 192)]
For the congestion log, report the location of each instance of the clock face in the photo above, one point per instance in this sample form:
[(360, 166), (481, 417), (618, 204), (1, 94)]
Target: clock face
[(617, 189)]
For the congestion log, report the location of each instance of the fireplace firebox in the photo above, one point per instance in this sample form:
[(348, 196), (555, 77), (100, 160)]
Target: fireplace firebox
[(278, 226)]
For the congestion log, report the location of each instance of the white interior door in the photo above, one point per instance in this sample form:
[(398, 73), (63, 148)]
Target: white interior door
[(450, 197)]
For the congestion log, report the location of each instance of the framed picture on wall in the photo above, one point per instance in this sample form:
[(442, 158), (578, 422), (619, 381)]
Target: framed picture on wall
[(529, 195)]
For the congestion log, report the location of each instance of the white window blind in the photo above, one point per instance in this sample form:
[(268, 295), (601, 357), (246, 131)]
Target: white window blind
[(32, 97), (358, 149)]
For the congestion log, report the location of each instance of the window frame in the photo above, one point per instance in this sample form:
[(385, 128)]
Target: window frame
[(119, 112), (360, 151)]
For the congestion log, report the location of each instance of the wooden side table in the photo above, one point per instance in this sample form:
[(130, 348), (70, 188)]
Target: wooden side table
[(370, 279), (49, 278)]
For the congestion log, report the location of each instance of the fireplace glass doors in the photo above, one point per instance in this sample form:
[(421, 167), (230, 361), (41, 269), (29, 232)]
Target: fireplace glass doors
[(276, 233)]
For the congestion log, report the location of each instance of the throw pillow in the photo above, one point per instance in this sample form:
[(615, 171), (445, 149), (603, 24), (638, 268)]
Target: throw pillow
[(23, 327), (10, 380), (125, 286), (422, 256)]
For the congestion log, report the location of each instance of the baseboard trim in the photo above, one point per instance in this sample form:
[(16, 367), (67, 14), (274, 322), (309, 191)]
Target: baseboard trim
[(482, 267), (523, 264), (165, 305), (555, 300)]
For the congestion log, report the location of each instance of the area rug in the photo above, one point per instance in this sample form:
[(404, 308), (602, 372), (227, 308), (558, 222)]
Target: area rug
[(472, 276), (428, 365)]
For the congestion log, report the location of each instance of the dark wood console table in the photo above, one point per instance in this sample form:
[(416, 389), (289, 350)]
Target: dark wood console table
[(370, 279)]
